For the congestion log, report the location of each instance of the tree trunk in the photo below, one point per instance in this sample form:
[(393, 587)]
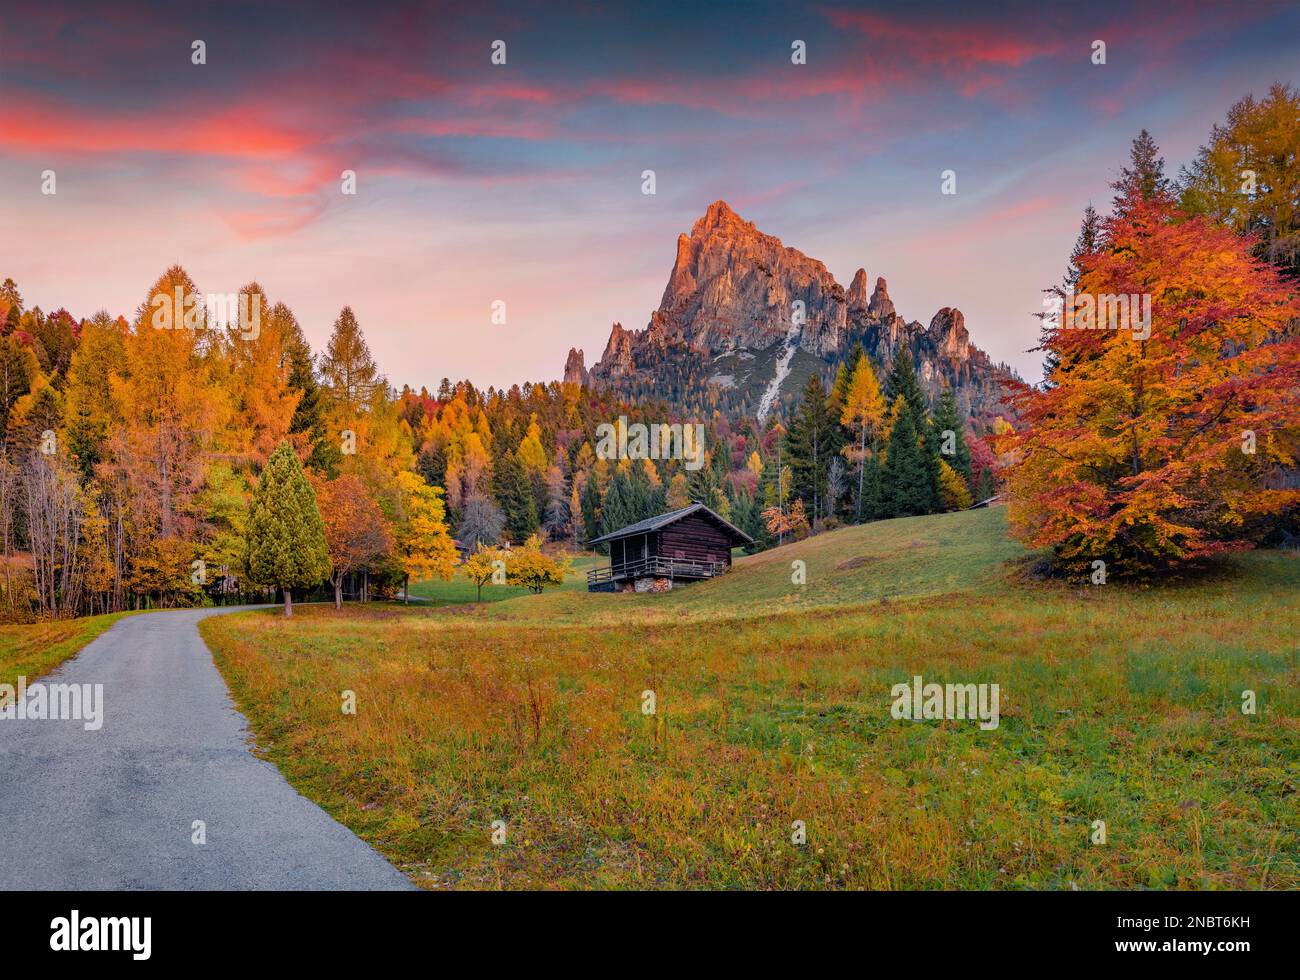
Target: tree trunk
[(406, 590), (338, 592), (288, 602)]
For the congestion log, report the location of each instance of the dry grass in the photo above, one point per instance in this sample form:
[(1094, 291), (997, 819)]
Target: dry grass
[(34, 650), (1117, 705)]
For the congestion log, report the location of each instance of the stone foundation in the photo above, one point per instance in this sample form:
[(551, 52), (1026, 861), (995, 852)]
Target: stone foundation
[(653, 585)]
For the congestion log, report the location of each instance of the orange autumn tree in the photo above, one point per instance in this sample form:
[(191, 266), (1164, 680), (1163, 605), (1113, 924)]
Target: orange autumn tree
[(1154, 452)]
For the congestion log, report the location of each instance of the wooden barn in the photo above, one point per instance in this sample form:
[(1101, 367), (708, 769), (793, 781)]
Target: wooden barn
[(683, 545)]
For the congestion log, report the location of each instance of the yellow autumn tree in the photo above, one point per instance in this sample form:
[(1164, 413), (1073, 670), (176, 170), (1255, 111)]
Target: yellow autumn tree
[(863, 415), (424, 543), (485, 565), (532, 568)]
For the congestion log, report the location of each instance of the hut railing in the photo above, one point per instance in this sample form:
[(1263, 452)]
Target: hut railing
[(657, 567)]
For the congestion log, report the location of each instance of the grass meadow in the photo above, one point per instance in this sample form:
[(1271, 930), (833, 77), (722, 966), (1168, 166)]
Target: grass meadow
[(1118, 704)]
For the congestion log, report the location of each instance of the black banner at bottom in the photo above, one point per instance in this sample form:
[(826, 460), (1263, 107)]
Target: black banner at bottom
[(143, 930)]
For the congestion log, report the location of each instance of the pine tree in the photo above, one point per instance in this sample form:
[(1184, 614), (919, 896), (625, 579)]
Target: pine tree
[(308, 426), (618, 509), (285, 536)]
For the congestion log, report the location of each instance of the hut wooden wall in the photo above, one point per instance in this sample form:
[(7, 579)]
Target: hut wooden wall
[(695, 538)]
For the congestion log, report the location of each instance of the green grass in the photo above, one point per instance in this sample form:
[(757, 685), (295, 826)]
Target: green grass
[(34, 650), (1117, 704), (459, 591)]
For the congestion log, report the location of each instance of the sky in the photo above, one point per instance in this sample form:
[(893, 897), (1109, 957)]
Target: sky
[(522, 182)]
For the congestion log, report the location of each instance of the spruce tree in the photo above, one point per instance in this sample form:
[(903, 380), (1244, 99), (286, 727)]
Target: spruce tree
[(906, 483), (1144, 179), (308, 422), (1085, 244), (947, 419), (514, 495), (590, 505), (812, 442), (285, 536), (902, 381)]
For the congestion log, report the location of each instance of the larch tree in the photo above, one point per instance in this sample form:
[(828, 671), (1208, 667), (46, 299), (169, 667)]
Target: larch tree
[(285, 544), (1248, 175), (349, 371), (863, 414), (424, 543)]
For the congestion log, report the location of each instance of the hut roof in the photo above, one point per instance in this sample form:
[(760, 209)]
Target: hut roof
[(672, 517)]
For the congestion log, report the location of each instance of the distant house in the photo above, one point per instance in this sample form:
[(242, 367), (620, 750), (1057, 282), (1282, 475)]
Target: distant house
[(683, 545)]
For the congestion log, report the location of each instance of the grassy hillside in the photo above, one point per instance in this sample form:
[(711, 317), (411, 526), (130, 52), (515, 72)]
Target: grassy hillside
[(33, 650), (1117, 704)]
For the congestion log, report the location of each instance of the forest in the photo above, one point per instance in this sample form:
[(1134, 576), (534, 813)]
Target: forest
[(147, 466)]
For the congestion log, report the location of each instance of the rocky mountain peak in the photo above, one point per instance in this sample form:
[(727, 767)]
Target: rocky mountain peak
[(749, 317), (857, 294), (575, 368), (948, 333), (881, 306)]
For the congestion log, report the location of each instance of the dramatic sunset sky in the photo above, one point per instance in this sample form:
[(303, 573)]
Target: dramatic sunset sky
[(522, 182)]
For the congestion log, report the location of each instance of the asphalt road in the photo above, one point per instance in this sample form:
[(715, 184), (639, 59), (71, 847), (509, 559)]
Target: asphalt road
[(115, 808)]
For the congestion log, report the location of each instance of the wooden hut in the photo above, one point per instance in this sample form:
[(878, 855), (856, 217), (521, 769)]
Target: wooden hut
[(683, 545)]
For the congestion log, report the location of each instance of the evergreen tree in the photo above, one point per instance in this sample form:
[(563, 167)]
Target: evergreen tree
[(308, 423), (618, 509), (872, 508), (902, 381), (1144, 179), (1085, 244), (704, 486), (811, 444), (514, 494), (590, 507), (285, 536), (946, 419), (907, 486)]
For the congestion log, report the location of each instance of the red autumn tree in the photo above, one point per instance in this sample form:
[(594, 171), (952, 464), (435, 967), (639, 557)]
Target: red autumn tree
[(1158, 451), (355, 530)]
